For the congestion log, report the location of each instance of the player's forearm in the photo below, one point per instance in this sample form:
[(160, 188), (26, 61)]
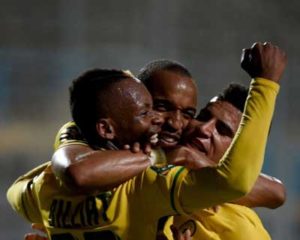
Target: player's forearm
[(91, 171), (239, 168), (242, 164), (267, 192)]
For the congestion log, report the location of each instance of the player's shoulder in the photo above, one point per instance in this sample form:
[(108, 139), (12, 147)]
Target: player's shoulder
[(69, 133)]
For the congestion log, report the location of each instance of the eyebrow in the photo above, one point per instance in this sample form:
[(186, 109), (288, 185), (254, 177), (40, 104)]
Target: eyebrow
[(169, 103), (206, 111)]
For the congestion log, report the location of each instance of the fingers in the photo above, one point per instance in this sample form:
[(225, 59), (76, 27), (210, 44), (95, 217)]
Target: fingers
[(34, 236), (147, 149), (246, 58), (137, 147), (264, 60), (126, 147)]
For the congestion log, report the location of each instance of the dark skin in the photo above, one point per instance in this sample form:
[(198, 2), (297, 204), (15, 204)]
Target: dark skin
[(135, 122), (71, 163), (175, 97), (96, 157), (92, 170)]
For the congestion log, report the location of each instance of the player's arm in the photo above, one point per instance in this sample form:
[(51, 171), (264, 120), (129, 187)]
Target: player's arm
[(21, 197), (234, 178), (81, 167), (267, 192)]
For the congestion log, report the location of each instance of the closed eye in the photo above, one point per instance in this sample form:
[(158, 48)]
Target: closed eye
[(224, 129)]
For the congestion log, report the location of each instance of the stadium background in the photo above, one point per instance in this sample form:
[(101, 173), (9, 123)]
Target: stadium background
[(45, 44)]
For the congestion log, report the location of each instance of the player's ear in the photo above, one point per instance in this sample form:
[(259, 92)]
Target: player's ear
[(105, 128)]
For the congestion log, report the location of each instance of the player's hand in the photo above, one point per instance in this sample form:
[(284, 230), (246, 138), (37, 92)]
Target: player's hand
[(264, 60), (137, 147), (188, 157), (36, 236), (178, 235)]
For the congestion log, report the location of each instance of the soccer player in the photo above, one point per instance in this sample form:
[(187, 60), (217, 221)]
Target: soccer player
[(212, 134), (232, 186), (174, 94)]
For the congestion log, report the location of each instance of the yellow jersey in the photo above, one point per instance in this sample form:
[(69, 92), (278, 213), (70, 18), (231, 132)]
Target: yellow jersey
[(132, 210), (228, 222)]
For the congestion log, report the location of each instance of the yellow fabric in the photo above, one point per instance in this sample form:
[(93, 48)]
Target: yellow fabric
[(68, 134), (230, 222), (132, 210), (20, 196), (17, 193)]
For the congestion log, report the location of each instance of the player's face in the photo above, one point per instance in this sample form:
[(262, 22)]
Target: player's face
[(134, 119), (214, 129), (175, 97)]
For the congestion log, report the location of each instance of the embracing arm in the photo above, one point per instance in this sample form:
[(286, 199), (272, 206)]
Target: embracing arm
[(81, 167), (267, 192)]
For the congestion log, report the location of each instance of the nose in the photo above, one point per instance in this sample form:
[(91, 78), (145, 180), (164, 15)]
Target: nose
[(157, 118), (205, 129), (175, 121)]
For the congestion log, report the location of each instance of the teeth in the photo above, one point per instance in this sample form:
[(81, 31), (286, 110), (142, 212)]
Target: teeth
[(154, 138), (170, 140)]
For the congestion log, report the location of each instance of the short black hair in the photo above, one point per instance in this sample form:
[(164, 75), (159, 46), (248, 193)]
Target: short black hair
[(146, 73), (85, 94), (236, 94)]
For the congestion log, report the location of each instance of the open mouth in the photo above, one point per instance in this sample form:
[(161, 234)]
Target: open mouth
[(168, 139), (197, 144), (154, 139)]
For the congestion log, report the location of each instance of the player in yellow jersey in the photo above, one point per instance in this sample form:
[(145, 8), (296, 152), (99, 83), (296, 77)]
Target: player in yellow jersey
[(212, 133), (175, 96), (259, 82)]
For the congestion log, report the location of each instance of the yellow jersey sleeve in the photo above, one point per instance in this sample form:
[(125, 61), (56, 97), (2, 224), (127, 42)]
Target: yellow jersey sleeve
[(241, 164), (68, 134), (20, 195)]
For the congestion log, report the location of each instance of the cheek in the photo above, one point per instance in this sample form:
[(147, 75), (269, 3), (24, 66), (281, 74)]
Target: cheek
[(224, 145), (221, 147), (141, 125)]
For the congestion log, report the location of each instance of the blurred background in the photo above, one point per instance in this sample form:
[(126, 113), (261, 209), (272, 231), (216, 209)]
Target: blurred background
[(45, 44)]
